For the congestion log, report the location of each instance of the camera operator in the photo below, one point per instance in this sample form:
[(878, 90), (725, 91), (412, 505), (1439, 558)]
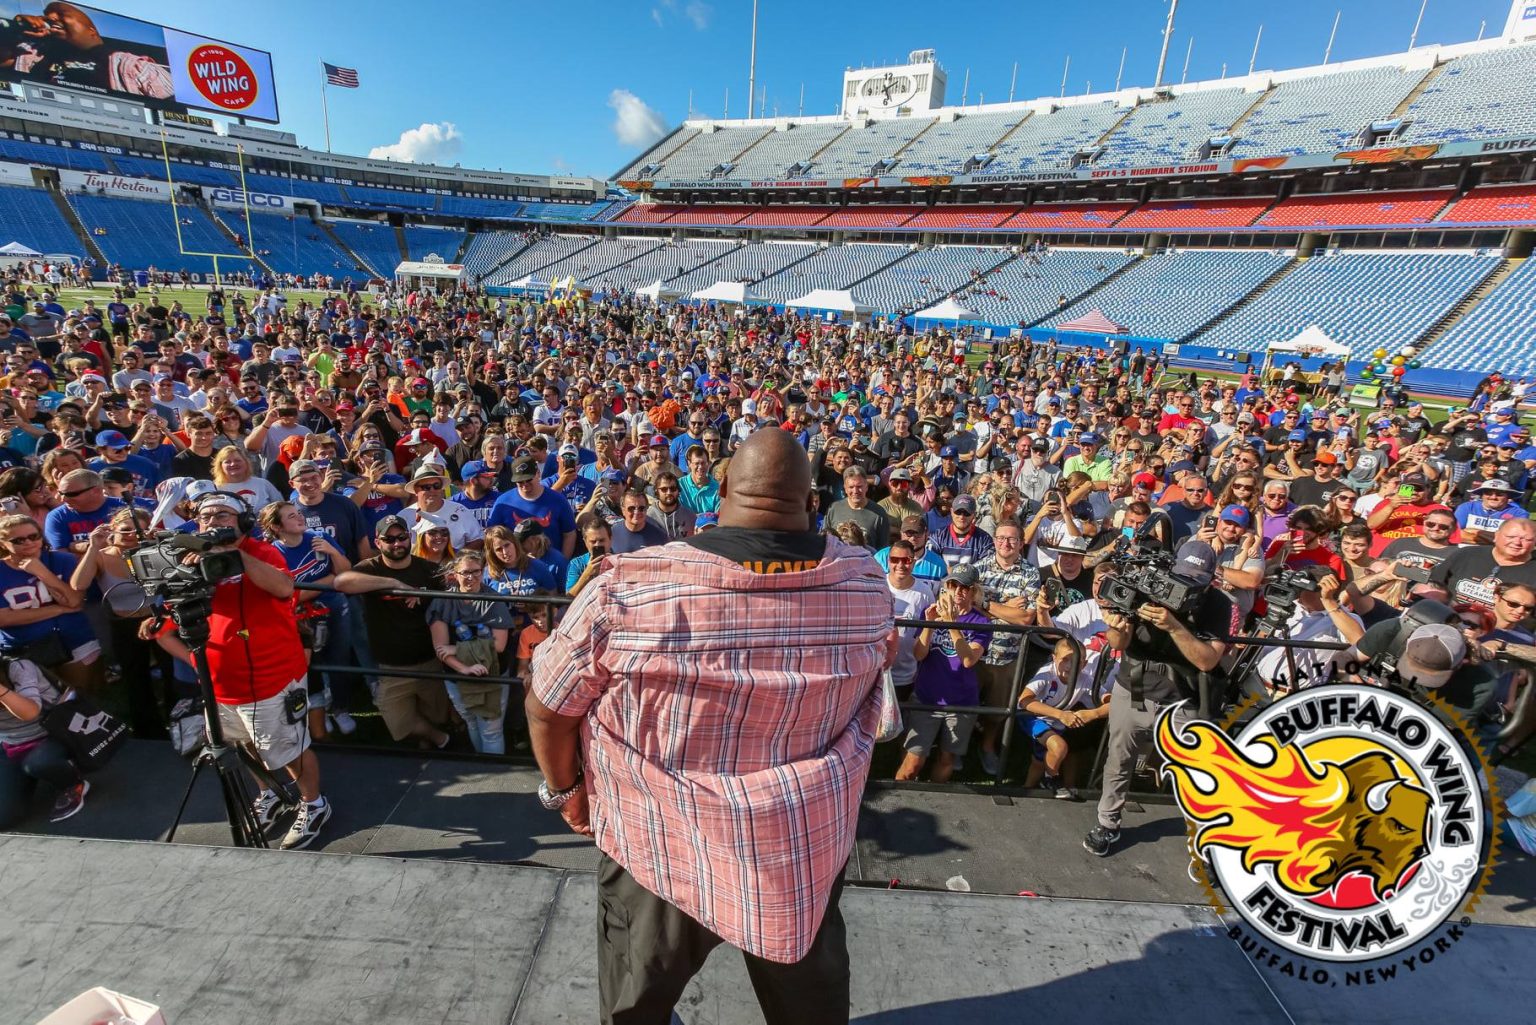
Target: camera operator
[(257, 665), (1163, 656), (1421, 657), (1317, 616)]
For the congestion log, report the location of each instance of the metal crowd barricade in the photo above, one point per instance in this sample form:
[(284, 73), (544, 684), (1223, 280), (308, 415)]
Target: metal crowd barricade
[(1015, 687)]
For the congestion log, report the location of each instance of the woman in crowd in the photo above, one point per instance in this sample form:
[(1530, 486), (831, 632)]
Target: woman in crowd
[(312, 559), (470, 635), (28, 755), (235, 472), (433, 540), (1339, 510), (510, 570), (57, 463), (41, 620), (23, 490)]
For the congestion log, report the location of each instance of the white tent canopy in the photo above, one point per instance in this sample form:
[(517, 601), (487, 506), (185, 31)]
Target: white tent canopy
[(835, 299), (949, 309), (658, 291), (727, 292), (1312, 341), (17, 249)]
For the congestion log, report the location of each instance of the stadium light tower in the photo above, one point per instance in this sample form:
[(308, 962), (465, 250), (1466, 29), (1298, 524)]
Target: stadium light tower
[(752, 63), (1162, 58)]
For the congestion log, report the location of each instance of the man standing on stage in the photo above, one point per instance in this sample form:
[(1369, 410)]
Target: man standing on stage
[(719, 760)]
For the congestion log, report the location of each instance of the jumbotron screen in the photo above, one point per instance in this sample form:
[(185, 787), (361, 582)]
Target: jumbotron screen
[(85, 48)]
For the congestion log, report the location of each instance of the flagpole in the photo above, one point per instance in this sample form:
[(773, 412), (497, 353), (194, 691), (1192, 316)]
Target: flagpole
[(326, 107)]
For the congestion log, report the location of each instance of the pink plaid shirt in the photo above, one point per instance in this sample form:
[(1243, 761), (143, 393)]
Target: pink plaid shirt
[(730, 717)]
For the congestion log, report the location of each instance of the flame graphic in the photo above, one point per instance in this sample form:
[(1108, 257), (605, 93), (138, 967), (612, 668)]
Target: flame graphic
[(1313, 824)]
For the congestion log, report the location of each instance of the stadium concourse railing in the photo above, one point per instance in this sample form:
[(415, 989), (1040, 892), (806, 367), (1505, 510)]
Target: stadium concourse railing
[(1015, 686)]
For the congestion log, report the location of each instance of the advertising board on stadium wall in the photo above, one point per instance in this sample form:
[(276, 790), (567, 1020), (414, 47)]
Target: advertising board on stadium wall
[(1243, 165), (73, 46), (114, 185), (16, 174), (235, 199)]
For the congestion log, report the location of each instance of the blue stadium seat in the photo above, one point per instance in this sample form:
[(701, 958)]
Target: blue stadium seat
[(291, 244), (1496, 334), (374, 243), (144, 233), (424, 239), (29, 216)]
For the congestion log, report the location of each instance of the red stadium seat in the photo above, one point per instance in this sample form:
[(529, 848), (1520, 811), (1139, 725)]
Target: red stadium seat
[(871, 217), (649, 213), (1196, 214), (1068, 216), (966, 218), (1358, 209), (1494, 204), (786, 216)]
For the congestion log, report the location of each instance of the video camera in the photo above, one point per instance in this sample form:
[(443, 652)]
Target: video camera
[(157, 564), (1280, 596), (1144, 575)]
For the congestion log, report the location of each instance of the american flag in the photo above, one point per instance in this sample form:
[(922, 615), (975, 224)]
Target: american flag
[(344, 77)]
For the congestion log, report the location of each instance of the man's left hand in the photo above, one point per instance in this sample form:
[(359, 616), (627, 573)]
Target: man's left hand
[(577, 814), (1159, 617)]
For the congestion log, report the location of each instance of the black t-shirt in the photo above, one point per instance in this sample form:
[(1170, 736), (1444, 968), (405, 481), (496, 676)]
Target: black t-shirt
[(397, 631), (1471, 574), (891, 448), (1309, 490), (1465, 442), (1079, 588), (1412, 551), (188, 463), (764, 551), (1468, 690), (1156, 652)]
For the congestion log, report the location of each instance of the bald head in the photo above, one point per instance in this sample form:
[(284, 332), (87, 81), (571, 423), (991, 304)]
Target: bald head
[(767, 485)]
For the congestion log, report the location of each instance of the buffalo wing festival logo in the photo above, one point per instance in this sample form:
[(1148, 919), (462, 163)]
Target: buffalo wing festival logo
[(1342, 824)]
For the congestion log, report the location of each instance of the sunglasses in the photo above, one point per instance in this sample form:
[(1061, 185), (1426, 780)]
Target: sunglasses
[(429, 487), (898, 560), (78, 491), (1526, 606), (395, 539), (28, 539)]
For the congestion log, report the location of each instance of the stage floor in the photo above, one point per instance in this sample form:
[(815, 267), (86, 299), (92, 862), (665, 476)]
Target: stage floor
[(219, 935), (470, 810)]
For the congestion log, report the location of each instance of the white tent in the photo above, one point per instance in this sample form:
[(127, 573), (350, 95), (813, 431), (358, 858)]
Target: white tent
[(727, 292), (17, 249), (946, 310), (658, 292), (835, 299), (1312, 342)]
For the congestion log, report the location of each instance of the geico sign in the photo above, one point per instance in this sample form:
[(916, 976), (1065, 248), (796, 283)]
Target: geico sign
[(239, 198)]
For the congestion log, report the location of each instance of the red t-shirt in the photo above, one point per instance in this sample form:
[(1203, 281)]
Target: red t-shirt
[(1318, 556), (253, 638), (1178, 422), (1404, 521)]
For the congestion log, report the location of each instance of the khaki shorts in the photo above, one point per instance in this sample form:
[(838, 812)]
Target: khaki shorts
[(410, 705), (994, 682), (264, 725)]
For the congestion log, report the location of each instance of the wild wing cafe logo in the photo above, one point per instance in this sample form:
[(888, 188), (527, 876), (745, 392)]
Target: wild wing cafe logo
[(1343, 823)]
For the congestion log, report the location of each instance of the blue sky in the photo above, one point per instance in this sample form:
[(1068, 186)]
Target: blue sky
[(531, 86)]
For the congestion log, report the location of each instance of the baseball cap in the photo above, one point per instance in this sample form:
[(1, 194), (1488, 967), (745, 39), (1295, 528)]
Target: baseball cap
[(965, 503), (612, 477), (1182, 466), (1245, 417), (948, 452), (1495, 484), (900, 474), (1431, 655), (476, 468), (524, 469), (112, 439), (417, 437), (964, 574), (1415, 480), (1070, 544), (749, 407), (569, 450), (1237, 514), (1296, 435), (1509, 443), (199, 488), (219, 500), (372, 446), (526, 529), (1040, 445), (302, 466), (1196, 561), (1144, 480), (117, 475), (1326, 458), (1090, 439), (658, 439)]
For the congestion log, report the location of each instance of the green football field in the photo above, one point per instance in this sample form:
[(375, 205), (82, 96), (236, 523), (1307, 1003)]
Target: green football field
[(193, 300)]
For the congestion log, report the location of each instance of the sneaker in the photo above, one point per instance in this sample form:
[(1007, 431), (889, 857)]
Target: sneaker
[(1099, 839), (266, 807), (990, 763), (1064, 792), (70, 801), (306, 825), (342, 722)]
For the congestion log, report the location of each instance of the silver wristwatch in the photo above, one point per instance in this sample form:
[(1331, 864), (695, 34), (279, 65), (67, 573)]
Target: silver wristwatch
[(554, 800)]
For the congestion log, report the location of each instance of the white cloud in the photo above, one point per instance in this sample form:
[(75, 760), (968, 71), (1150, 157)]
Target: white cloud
[(697, 12), (636, 123), (432, 142)]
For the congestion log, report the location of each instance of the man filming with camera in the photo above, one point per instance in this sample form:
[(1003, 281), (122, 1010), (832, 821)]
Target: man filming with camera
[(1317, 615), (1165, 651), (257, 665)]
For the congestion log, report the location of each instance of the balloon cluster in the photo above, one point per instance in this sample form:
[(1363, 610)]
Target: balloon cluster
[(1407, 359)]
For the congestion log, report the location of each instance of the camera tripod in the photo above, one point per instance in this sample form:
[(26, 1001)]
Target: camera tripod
[(190, 614)]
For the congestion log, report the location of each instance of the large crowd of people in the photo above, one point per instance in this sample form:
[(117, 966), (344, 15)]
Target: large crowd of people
[(512, 447)]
